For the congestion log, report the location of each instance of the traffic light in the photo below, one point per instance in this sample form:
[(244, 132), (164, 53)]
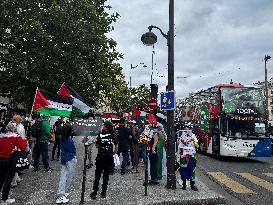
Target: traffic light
[(154, 90)]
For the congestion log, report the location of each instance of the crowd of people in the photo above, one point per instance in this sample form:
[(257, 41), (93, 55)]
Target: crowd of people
[(24, 140)]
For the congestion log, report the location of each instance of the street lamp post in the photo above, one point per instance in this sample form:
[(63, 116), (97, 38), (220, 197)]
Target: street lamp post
[(266, 58), (130, 82), (150, 39), (132, 67), (152, 67)]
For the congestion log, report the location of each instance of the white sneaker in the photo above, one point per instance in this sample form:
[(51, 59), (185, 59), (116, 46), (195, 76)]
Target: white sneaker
[(62, 200), (180, 182), (10, 201)]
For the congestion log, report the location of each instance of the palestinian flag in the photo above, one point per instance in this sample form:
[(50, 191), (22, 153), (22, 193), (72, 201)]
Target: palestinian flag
[(151, 118), (143, 115), (49, 104), (80, 106), (127, 116), (136, 111)]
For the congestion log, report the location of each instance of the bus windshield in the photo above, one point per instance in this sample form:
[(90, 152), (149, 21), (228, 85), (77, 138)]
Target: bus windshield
[(238, 128), (242, 100)]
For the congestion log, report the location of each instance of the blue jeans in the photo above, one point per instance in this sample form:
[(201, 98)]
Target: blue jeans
[(66, 176), (41, 147), (125, 160)]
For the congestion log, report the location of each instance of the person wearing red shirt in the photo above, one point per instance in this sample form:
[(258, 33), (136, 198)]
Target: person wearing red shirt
[(8, 141)]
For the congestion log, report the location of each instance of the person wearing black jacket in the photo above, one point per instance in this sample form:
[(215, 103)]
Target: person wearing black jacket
[(58, 129), (124, 136), (104, 160), (136, 131)]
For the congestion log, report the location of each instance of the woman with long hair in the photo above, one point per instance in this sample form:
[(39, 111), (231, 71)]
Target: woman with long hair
[(104, 160)]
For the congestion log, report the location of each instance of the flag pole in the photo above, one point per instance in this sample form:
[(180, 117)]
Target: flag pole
[(84, 172), (61, 87), (146, 171), (34, 100)]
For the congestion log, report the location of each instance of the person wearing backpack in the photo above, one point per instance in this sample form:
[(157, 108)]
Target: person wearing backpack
[(41, 132)]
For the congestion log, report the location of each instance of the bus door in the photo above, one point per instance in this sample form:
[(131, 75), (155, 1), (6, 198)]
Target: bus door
[(216, 136)]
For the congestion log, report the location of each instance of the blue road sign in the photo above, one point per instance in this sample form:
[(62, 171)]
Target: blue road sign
[(167, 100)]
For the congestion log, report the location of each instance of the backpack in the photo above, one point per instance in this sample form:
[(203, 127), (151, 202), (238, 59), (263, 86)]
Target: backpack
[(37, 129)]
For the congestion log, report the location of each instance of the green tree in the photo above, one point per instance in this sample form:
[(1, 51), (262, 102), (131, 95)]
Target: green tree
[(45, 43), (140, 96), (121, 98)]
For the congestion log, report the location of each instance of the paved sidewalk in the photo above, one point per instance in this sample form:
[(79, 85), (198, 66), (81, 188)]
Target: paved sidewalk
[(40, 188)]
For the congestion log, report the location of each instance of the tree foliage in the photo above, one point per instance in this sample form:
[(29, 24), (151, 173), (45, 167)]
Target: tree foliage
[(122, 98), (45, 43)]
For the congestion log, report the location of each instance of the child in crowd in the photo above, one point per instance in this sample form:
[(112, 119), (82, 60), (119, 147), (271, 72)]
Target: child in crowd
[(187, 146)]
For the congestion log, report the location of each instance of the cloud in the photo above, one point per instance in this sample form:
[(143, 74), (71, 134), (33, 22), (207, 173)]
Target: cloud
[(213, 40)]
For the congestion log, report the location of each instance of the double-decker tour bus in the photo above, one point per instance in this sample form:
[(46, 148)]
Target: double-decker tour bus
[(229, 120)]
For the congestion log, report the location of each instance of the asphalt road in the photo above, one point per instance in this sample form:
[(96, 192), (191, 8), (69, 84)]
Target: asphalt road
[(239, 180)]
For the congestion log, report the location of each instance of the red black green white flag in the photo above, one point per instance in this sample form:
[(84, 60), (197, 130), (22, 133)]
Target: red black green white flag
[(49, 104), (80, 106)]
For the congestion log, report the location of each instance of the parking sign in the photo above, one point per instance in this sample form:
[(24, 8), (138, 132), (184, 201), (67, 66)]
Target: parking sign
[(167, 100)]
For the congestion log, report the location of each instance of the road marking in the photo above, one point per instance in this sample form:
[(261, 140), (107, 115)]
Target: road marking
[(230, 183), (268, 174), (257, 180)]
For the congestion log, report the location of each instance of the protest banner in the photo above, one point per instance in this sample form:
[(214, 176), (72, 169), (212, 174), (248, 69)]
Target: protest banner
[(86, 127)]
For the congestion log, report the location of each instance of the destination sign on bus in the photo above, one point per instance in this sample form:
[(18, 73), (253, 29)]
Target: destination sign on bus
[(245, 111)]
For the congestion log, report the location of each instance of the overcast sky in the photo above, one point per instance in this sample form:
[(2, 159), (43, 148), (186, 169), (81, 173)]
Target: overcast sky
[(216, 41)]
